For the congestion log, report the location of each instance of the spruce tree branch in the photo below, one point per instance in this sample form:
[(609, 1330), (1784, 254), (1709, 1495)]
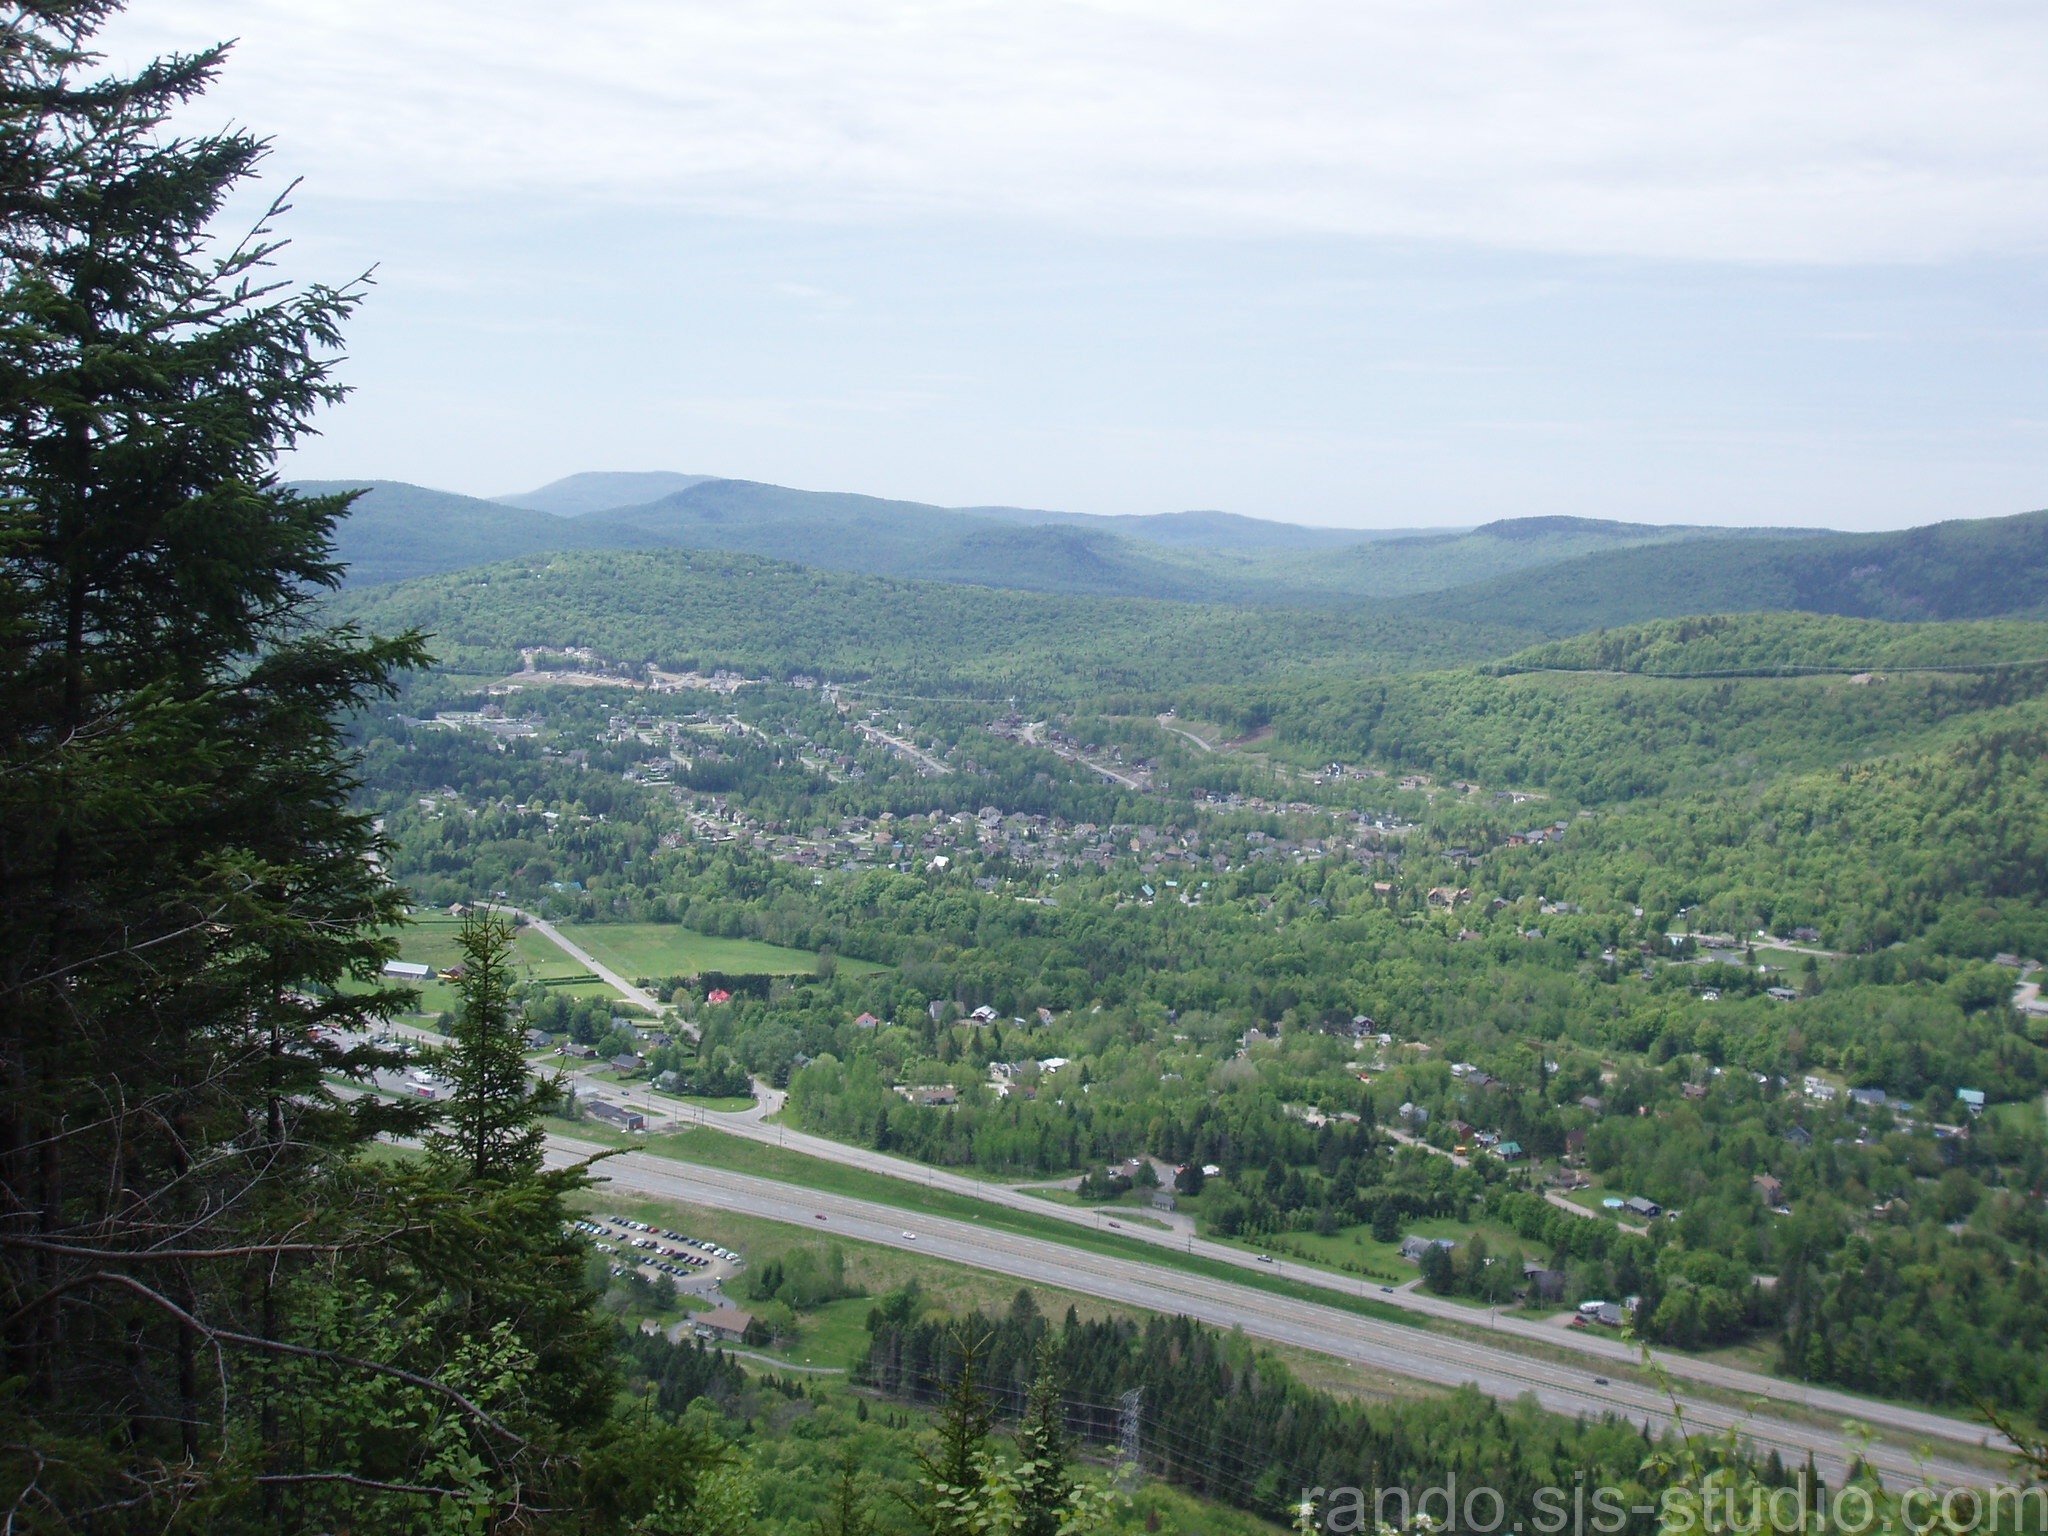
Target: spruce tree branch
[(220, 1336)]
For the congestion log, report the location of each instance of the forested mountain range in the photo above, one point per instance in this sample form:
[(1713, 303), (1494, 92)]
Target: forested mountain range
[(1965, 569), (399, 531)]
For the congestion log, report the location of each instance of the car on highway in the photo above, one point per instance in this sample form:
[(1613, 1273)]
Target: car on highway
[(910, 1237), (820, 1216), (1388, 1289), (1265, 1258), (1600, 1381)]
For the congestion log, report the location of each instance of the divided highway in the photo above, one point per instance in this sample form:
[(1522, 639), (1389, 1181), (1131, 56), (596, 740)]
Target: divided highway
[(1367, 1342)]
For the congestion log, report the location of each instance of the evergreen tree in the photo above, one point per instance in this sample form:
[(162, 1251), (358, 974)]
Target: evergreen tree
[(1045, 1486), (491, 1124), (951, 1498), (187, 885)]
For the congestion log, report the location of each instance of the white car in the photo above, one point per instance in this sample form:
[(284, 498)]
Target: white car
[(910, 1237)]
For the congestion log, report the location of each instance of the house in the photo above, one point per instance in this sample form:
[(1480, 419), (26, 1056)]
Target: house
[(1771, 1191), (1781, 994), (1592, 1105), (406, 970), (538, 1039), (867, 1021), (1574, 1143), (1460, 1130), (1971, 1099), (1509, 1152), (1636, 1205), (726, 1323), (1413, 1247), (1162, 1201), (1045, 1016), (1799, 1136), (625, 1061), (579, 1052), (936, 1096), (614, 1116), (1694, 1090), (717, 995), (1871, 1098), (1544, 1284), (983, 1015), (1447, 896)]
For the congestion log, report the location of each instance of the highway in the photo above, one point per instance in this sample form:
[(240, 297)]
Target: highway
[(1371, 1343), (1599, 1346), (1504, 1364)]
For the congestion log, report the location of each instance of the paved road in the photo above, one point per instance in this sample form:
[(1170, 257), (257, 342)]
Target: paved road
[(916, 754), (1600, 1347), (1367, 1342), (583, 957)]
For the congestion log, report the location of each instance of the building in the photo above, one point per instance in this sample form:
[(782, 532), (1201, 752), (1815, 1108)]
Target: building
[(406, 970), (614, 1116), (625, 1061), (1544, 1284), (1162, 1201), (1636, 1205), (725, 1324), (1413, 1247), (1770, 1190)]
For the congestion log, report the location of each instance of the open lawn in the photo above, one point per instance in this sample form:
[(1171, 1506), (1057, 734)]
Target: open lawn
[(656, 950)]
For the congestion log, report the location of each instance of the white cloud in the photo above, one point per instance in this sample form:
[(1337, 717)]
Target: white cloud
[(1826, 131)]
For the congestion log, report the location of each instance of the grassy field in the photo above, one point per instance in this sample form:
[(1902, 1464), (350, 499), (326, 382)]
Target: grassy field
[(663, 949), (714, 1149)]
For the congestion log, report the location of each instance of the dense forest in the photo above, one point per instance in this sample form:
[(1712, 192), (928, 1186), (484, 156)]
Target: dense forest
[(1686, 973), (1197, 974)]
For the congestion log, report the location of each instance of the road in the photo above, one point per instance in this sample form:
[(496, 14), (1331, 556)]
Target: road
[(1029, 736), (1505, 1363), (583, 957), (1600, 1347), (1178, 731), (917, 755), (1370, 1343)]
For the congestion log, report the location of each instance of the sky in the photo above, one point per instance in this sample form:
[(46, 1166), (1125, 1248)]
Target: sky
[(1368, 263)]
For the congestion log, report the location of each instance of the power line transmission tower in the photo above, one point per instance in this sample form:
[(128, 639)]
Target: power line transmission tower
[(1127, 1436)]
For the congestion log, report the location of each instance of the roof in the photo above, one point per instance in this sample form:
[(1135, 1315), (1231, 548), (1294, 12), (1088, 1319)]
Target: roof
[(408, 970)]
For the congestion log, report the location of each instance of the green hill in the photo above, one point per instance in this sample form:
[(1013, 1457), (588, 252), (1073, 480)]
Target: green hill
[(398, 531), (1594, 734), (1185, 557), (680, 609), (1776, 643), (1979, 569)]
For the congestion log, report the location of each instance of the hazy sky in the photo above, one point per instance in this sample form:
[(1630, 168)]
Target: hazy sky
[(1348, 261)]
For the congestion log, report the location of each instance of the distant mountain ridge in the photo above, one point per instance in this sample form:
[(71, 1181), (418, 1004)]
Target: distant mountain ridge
[(601, 490), (400, 531), (1981, 568)]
